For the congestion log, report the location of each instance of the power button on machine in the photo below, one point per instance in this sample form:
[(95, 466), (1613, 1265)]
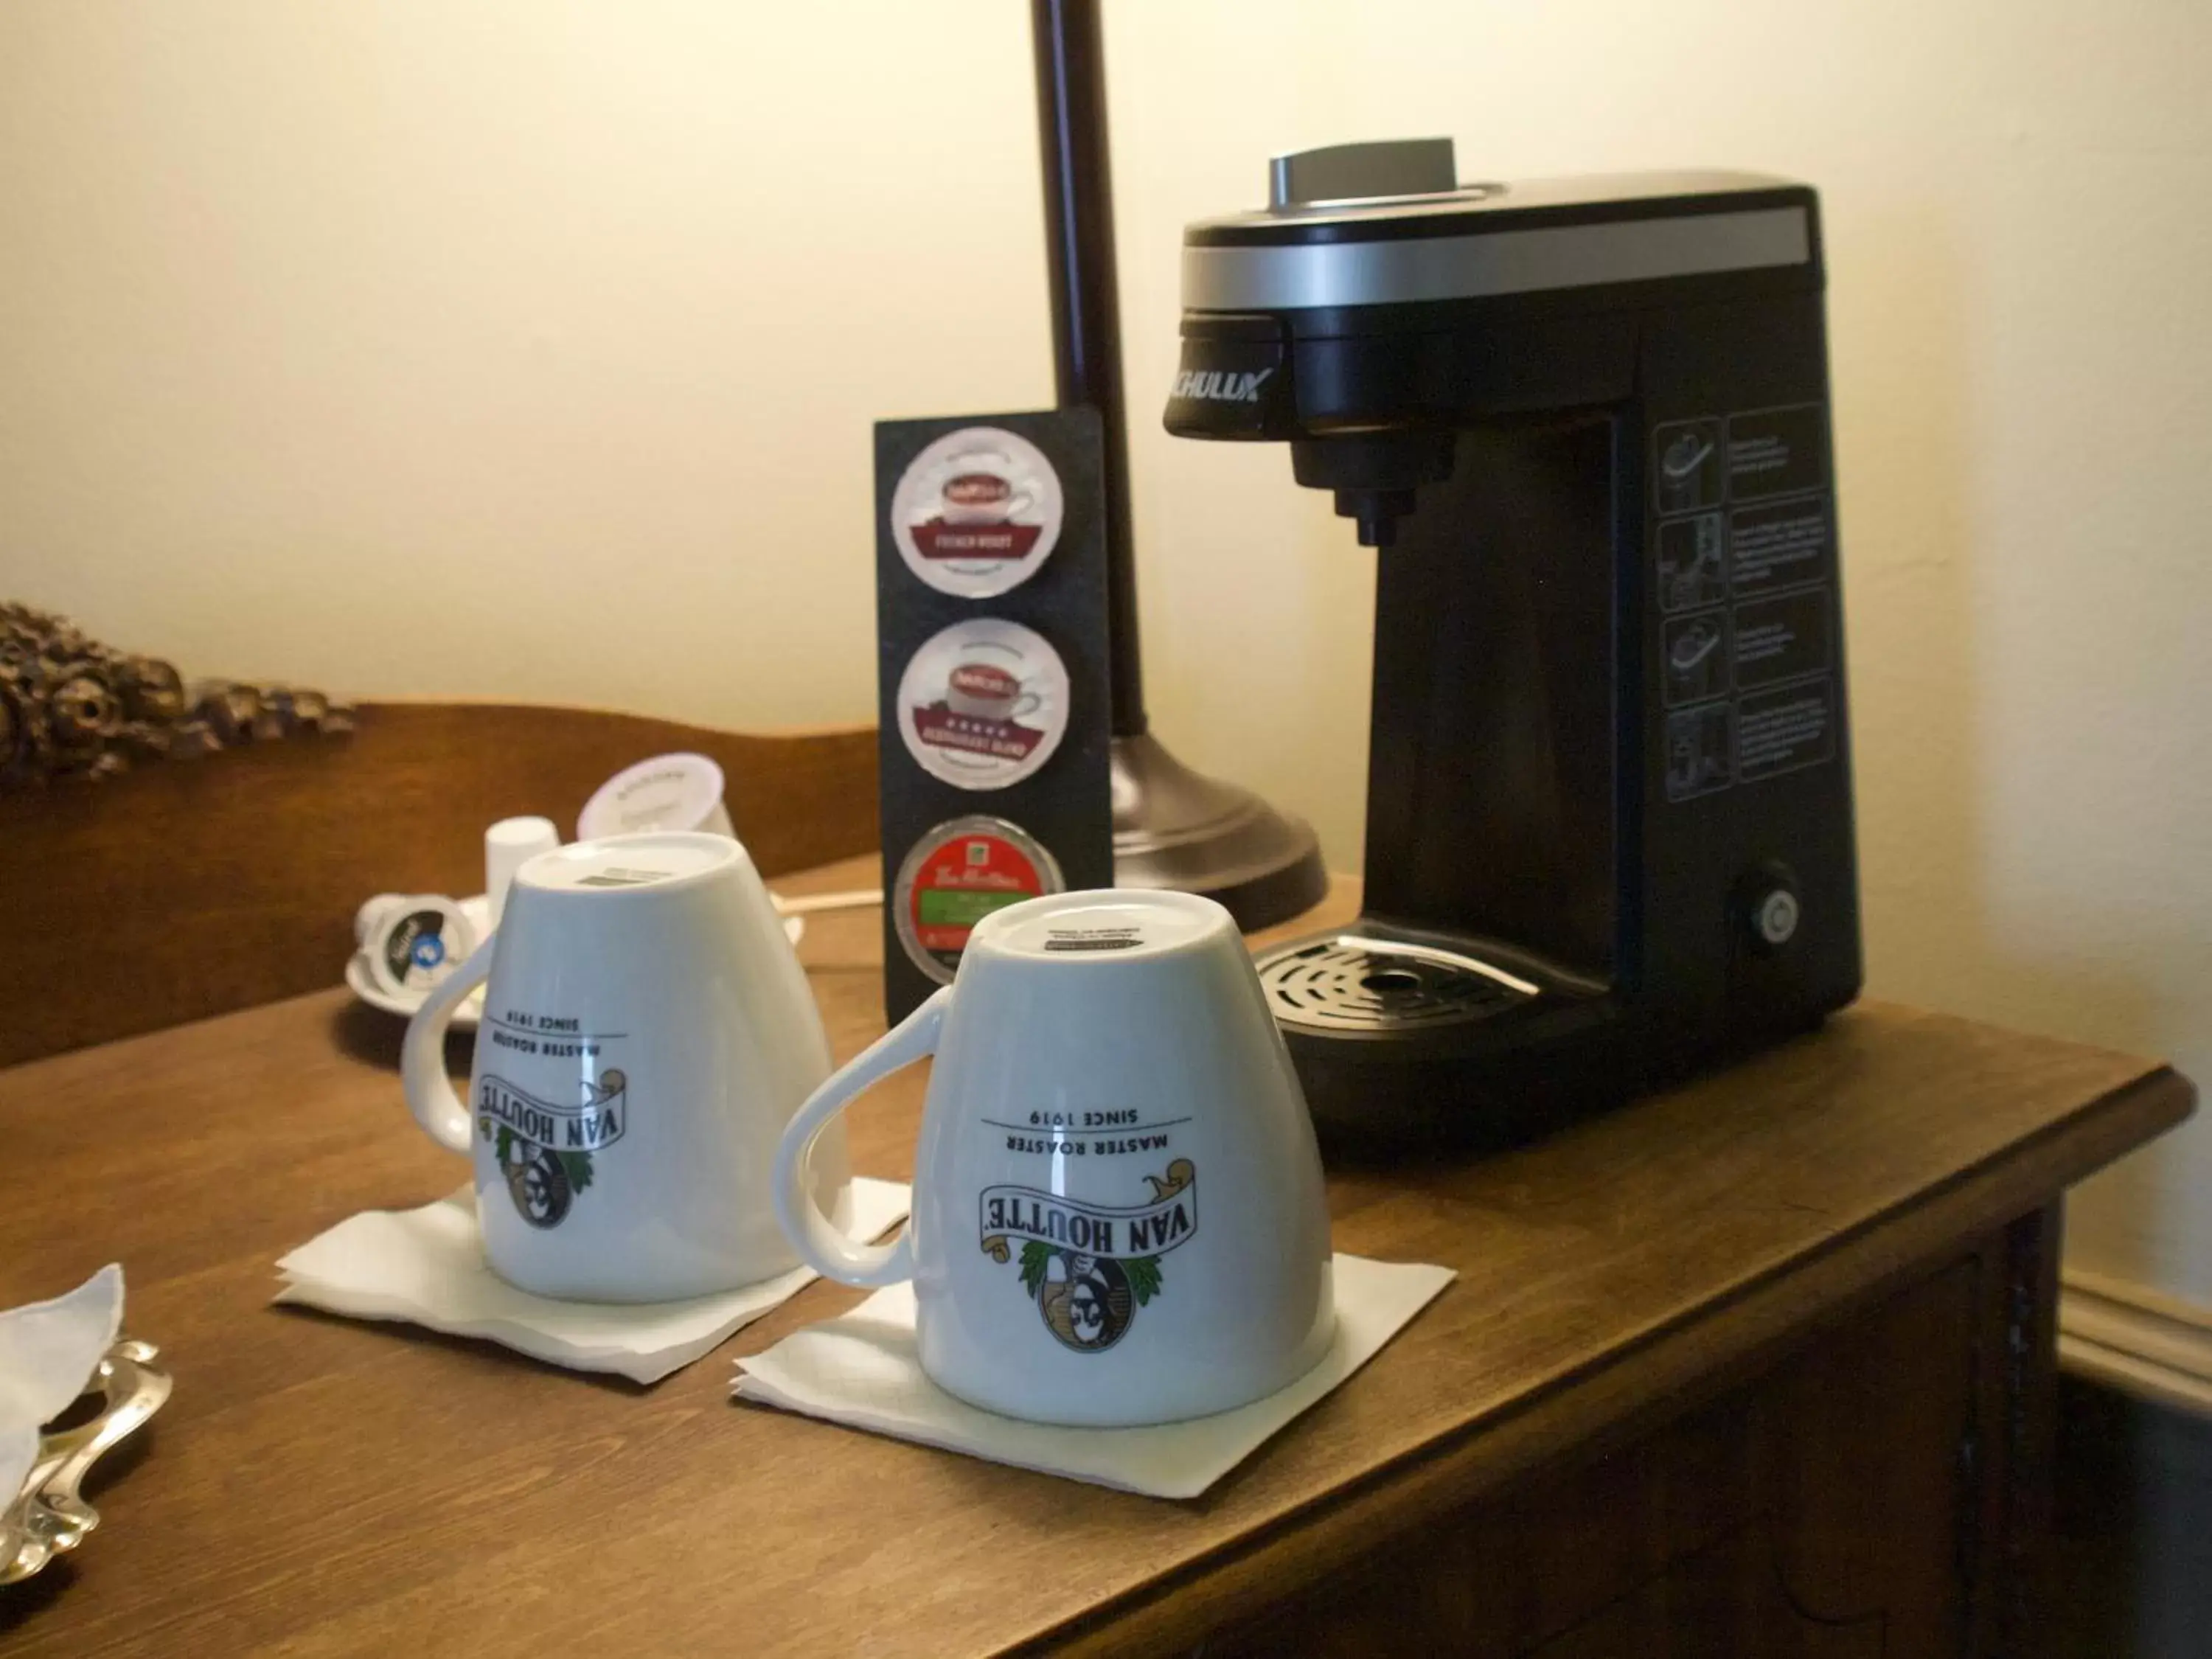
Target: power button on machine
[(1765, 904)]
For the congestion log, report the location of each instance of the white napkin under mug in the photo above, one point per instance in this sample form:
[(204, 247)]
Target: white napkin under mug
[(860, 1370), (427, 1266)]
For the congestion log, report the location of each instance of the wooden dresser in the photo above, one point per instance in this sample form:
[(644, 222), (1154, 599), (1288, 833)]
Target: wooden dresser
[(1759, 1366)]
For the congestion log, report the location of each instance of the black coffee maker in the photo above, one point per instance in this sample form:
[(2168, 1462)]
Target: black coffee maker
[(1585, 421)]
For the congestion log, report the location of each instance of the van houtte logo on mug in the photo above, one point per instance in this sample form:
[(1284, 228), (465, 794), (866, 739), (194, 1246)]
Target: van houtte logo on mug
[(1089, 1269), (545, 1147)]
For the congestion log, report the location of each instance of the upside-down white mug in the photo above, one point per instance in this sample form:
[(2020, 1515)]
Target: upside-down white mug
[(1118, 1210), (646, 1034)]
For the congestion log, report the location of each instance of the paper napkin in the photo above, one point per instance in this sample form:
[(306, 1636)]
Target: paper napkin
[(427, 1266), (48, 1352), (860, 1370)]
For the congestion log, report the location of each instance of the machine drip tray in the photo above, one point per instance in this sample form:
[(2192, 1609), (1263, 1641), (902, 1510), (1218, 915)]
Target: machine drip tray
[(1353, 983)]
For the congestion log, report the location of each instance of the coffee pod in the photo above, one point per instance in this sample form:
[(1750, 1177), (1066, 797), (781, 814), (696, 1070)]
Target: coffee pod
[(669, 791), (955, 875), (983, 703), (508, 845), (413, 942), (977, 511)]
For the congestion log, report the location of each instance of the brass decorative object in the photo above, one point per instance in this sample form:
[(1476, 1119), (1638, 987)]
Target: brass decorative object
[(70, 706)]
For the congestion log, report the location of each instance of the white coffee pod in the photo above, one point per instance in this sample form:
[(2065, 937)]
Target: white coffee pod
[(413, 941), (977, 511), (983, 703), (508, 845), (669, 791)]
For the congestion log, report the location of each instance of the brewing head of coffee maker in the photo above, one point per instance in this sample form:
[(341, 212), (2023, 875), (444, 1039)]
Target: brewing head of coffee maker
[(1374, 475), (1361, 440)]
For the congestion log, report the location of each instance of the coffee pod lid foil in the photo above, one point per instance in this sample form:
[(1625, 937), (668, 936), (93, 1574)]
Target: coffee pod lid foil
[(958, 873), (414, 942), (668, 791), (983, 703), (977, 511)]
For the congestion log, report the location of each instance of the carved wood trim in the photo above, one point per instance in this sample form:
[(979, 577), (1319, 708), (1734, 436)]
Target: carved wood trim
[(70, 706)]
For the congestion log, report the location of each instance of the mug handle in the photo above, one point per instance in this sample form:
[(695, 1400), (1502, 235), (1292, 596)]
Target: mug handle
[(819, 1243), (429, 1092)]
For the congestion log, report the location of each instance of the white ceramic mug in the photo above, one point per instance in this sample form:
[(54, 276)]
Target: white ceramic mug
[(646, 1034), (1118, 1210)]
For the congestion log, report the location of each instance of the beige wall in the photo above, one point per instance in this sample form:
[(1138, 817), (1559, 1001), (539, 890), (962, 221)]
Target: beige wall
[(529, 349)]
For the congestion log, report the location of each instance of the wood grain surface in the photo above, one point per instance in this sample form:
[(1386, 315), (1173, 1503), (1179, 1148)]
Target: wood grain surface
[(321, 1487), (1816, 1510), (192, 888)]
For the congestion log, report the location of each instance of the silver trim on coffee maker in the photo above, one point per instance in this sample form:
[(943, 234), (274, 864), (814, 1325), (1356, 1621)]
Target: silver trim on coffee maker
[(1308, 276)]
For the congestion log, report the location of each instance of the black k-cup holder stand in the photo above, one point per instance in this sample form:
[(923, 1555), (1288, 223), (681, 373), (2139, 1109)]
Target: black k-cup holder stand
[(1016, 756)]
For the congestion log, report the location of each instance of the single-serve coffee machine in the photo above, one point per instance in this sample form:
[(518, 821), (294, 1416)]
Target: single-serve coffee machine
[(1585, 423)]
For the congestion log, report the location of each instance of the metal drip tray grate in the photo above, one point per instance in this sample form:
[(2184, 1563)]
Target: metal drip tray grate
[(1349, 983)]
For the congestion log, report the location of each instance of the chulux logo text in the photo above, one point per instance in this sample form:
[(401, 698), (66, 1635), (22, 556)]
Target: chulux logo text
[(1221, 385)]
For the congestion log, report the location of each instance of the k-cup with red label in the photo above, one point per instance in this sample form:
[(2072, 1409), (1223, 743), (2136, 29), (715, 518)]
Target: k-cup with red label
[(958, 873)]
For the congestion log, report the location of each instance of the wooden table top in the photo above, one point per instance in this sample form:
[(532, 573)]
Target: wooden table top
[(333, 1487)]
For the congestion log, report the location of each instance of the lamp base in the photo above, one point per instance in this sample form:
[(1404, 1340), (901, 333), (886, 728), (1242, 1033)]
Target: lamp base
[(1175, 828)]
